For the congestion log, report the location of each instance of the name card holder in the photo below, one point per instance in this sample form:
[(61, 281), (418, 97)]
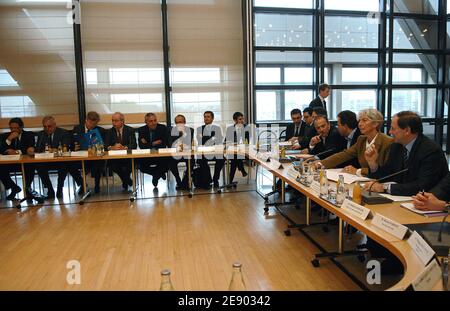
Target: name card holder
[(117, 152), (10, 157), (140, 151), (205, 149), (315, 186), (274, 164), (355, 209), (50, 155), (390, 226), (293, 173), (80, 154), (421, 248), (167, 150), (428, 278)]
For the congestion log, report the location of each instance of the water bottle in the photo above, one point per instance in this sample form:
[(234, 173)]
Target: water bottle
[(47, 148), (340, 191), (166, 283), (237, 280), (323, 183)]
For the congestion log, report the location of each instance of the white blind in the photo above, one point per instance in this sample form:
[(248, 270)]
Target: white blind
[(206, 56), (123, 59)]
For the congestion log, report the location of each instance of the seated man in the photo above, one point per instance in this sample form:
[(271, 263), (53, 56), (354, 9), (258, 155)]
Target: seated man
[(83, 136), (370, 122), (328, 141), (424, 159), (295, 131), (153, 135), (309, 116), (426, 166), (180, 134), (238, 133), (437, 199), (50, 139), (17, 141), (121, 137), (210, 135)]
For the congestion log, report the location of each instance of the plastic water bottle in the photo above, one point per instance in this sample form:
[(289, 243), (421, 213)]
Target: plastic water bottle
[(323, 183)]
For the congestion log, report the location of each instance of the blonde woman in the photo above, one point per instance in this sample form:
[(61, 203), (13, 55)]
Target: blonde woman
[(369, 123)]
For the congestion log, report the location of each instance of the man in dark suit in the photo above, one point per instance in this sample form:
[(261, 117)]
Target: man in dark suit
[(309, 116), (121, 137), (426, 166), (17, 141), (320, 100), (153, 135), (327, 142), (180, 134), (295, 131), (424, 159), (50, 138), (83, 136), (210, 135), (239, 133), (347, 126)]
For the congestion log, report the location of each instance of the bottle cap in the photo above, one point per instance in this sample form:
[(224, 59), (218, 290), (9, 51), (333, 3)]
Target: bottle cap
[(165, 272)]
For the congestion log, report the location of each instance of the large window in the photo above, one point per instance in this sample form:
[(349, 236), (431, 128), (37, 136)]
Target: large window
[(122, 54), (206, 57), (37, 62)]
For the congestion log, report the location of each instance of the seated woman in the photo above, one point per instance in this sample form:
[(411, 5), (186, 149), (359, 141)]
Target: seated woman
[(370, 122)]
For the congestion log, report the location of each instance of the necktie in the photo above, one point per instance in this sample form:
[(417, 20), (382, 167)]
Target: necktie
[(296, 131), (324, 104), (405, 157), (119, 137)]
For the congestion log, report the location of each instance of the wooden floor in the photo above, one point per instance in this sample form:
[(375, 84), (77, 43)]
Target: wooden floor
[(124, 247)]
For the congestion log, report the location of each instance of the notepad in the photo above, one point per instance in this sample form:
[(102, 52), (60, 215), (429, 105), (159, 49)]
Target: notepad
[(117, 152), (333, 174), (167, 150), (10, 157), (396, 198), (410, 207)]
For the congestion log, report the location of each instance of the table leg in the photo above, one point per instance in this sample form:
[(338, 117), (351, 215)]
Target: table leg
[(86, 192), (133, 179), (308, 211), (189, 161), (283, 192), (341, 236), (24, 182)]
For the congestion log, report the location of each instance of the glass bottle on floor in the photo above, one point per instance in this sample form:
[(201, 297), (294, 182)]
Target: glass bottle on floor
[(166, 283), (237, 280)]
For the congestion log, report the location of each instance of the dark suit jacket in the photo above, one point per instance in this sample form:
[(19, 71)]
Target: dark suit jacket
[(160, 133), (354, 162), (175, 136), (59, 136), (128, 137), (442, 189), (310, 132), (26, 141), (232, 135), (209, 135), (426, 167), (333, 144), (316, 102), (290, 131), (79, 130)]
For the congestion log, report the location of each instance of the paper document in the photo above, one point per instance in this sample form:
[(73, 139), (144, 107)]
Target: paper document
[(410, 206), (396, 198), (333, 174)]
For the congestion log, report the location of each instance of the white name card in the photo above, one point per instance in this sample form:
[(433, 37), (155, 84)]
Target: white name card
[(252, 152), (167, 150), (219, 148), (355, 209), (292, 172), (285, 143), (50, 155), (205, 149), (140, 151), (428, 278), (421, 248), (10, 157), (117, 152), (263, 156), (315, 187), (274, 164), (80, 154), (390, 226)]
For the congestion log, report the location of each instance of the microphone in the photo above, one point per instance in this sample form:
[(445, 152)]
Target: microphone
[(319, 154), (442, 227), (375, 198)]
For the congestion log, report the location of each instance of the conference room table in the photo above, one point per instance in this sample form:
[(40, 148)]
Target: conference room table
[(399, 247)]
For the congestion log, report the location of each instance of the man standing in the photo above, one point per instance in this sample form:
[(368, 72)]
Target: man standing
[(210, 135), (180, 134), (121, 137), (320, 100), (153, 135), (17, 141), (50, 139)]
